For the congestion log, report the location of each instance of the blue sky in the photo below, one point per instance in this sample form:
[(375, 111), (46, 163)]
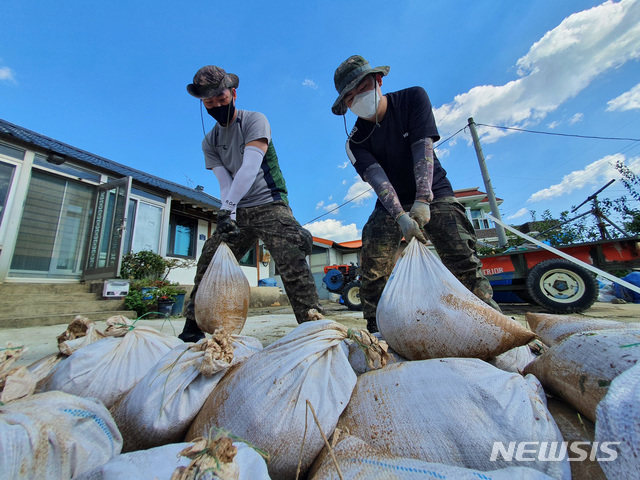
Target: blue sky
[(111, 79)]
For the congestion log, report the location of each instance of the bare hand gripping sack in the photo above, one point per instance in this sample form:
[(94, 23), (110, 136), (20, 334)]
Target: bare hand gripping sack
[(425, 312), (222, 300)]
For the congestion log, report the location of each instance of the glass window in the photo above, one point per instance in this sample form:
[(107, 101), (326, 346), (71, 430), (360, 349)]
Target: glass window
[(182, 236), (6, 176), (249, 259), (145, 194), (13, 152), (68, 168)]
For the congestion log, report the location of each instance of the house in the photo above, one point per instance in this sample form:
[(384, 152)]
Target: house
[(477, 206), (67, 215)]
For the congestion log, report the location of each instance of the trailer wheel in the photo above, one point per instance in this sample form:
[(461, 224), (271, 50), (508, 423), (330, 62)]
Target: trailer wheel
[(351, 295), (562, 286)]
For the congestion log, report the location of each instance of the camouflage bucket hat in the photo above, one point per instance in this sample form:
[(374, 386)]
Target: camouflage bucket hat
[(347, 77), (210, 81)]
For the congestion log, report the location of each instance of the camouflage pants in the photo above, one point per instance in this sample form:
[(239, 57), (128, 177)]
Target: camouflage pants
[(450, 232), (288, 243)]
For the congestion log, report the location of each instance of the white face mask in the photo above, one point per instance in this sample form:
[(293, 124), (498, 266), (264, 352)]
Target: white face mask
[(365, 104)]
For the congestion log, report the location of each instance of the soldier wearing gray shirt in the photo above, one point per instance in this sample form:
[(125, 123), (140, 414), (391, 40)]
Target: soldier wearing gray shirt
[(239, 151)]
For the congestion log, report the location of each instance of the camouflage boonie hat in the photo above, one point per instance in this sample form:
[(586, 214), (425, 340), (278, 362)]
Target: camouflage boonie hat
[(347, 77), (210, 81)]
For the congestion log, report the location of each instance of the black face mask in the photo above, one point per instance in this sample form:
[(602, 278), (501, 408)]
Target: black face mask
[(223, 114)]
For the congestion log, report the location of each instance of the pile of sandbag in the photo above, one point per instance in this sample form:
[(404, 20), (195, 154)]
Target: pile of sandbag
[(425, 312), (110, 367)]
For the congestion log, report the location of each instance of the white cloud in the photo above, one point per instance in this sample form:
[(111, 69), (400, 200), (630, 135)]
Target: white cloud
[(576, 118), (360, 189), (556, 68), (334, 230), (520, 213), (553, 125), (320, 204), (442, 152), (310, 83), (6, 74), (627, 101), (344, 165), (593, 174), (332, 208)]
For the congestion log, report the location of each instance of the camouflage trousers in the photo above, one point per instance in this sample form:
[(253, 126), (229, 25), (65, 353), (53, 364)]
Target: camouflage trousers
[(288, 243), (450, 232)]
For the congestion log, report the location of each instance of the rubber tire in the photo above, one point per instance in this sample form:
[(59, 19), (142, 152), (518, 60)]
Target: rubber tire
[(351, 295), (545, 295)]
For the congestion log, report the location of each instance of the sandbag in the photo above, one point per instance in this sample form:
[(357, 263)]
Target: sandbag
[(514, 360), (581, 367), (263, 400), (55, 435), (359, 461), (425, 312), (451, 411), (109, 368), (554, 328), (618, 420), (162, 405), (222, 299), (8, 357)]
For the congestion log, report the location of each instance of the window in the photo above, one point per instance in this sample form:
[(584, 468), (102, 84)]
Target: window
[(249, 259), (183, 232), (6, 177), (68, 168), (479, 222), (13, 152)]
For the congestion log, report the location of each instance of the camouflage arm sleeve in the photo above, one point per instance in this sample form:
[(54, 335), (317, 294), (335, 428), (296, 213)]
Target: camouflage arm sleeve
[(375, 176), (422, 152)]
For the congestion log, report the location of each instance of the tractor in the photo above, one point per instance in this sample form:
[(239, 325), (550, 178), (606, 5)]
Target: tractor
[(344, 280)]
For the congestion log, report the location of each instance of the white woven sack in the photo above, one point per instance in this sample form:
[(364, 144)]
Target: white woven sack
[(451, 411), (553, 329), (581, 367), (263, 400), (109, 368), (55, 435), (358, 360), (425, 312), (162, 405), (222, 299), (618, 420), (358, 461), (514, 360)]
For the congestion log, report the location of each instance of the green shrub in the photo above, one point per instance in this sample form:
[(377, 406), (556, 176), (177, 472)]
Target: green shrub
[(134, 301), (141, 265)]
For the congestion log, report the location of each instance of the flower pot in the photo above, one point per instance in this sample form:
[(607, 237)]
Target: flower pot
[(178, 305), (147, 292), (164, 308)]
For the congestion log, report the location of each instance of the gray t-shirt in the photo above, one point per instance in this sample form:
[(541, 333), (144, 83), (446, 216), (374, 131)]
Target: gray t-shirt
[(224, 146)]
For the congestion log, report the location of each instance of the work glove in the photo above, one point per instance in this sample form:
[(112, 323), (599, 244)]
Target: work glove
[(410, 229), (226, 227), (420, 212)]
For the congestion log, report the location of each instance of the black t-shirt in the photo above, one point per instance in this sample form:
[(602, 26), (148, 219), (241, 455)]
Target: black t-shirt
[(409, 118)]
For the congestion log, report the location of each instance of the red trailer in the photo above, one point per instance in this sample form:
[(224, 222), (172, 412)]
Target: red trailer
[(539, 276)]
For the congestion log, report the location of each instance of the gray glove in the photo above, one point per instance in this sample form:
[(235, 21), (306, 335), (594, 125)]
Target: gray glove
[(420, 212), (410, 229), (226, 227)]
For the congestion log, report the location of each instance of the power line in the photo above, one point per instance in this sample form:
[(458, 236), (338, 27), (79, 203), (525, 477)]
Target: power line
[(559, 134)]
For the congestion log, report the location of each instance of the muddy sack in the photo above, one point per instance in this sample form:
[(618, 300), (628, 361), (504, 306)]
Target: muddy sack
[(263, 400), (222, 299), (581, 367), (618, 420), (425, 312), (162, 405), (452, 411), (553, 329), (55, 435), (514, 360), (357, 460), (109, 368), (358, 359)]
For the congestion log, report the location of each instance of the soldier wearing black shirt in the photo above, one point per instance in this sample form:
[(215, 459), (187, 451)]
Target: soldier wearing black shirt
[(391, 148)]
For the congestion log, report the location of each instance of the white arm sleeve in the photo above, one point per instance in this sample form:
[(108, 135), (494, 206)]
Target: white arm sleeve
[(224, 179), (245, 176)]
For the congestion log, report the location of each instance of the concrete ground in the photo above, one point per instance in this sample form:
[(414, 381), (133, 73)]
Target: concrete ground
[(268, 324)]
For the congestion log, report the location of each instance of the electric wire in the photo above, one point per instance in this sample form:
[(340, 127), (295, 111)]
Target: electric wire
[(559, 134)]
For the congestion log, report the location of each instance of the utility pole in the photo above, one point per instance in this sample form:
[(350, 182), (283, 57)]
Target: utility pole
[(502, 236)]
